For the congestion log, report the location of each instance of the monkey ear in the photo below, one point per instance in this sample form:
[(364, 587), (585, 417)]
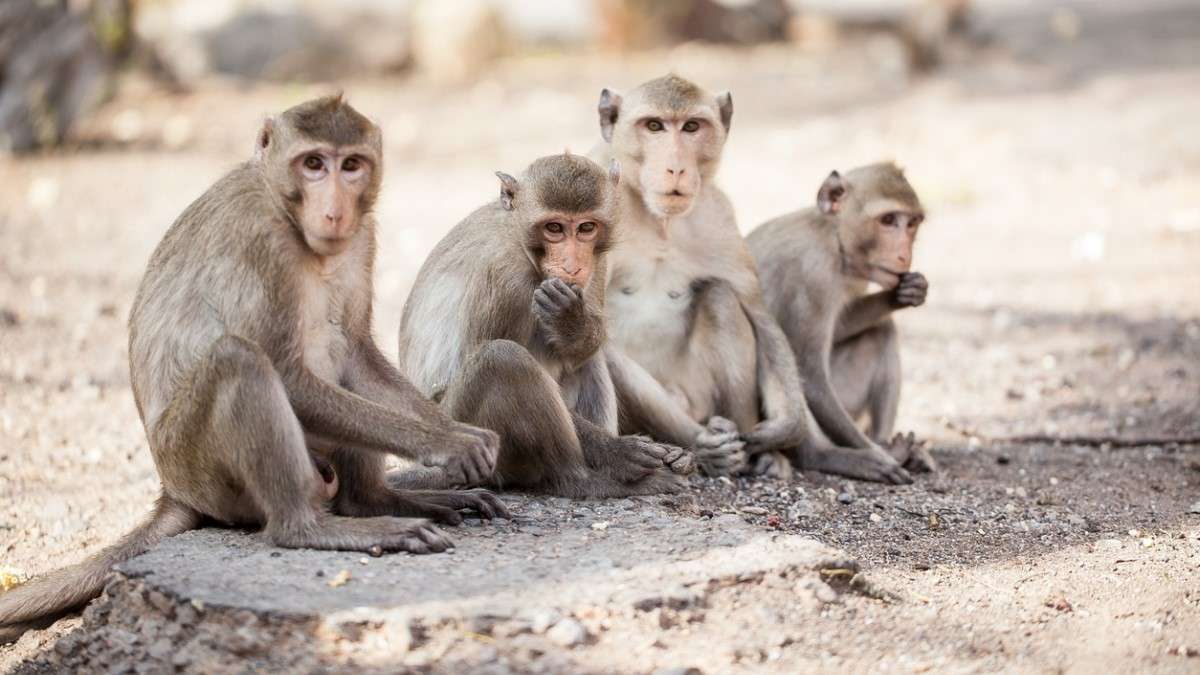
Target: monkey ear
[(725, 106), (609, 107), (508, 190), (614, 171), (264, 138), (829, 197)]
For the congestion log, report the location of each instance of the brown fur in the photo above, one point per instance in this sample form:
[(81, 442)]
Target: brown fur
[(695, 355), (815, 266), (248, 353), (506, 345)]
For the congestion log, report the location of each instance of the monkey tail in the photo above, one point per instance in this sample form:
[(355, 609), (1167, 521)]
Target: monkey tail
[(39, 602)]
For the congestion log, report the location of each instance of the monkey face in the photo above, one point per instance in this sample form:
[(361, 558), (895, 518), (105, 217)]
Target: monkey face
[(895, 229), (877, 215), (331, 186), (569, 247), (669, 135)]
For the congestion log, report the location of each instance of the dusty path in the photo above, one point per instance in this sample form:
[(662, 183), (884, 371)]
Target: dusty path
[(1061, 248)]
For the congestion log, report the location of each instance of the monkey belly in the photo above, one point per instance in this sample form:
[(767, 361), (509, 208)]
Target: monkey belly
[(708, 367)]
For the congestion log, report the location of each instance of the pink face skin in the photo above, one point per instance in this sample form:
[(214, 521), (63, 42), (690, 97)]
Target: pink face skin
[(332, 180), (674, 149), (896, 230), (570, 244)]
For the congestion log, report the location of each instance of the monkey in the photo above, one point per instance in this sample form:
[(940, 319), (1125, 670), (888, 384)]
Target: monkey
[(694, 355), (815, 266), (504, 327), (265, 400)]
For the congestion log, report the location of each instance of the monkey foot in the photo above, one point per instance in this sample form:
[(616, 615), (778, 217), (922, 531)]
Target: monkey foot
[(912, 454), (369, 535), (442, 506), (771, 465), (628, 459)]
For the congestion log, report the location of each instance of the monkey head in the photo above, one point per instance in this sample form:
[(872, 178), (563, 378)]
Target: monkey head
[(323, 162), (668, 135), (877, 215), (566, 207)]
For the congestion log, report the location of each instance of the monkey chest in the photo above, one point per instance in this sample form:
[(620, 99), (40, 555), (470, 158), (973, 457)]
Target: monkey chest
[(325, 345), (648, 306)]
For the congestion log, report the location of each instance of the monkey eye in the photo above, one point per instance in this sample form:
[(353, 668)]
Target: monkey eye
[(351, 164), (313, 163), (586, 227), (554, 228), (916, 220), (691, 126), (654, 125), (888, 219)]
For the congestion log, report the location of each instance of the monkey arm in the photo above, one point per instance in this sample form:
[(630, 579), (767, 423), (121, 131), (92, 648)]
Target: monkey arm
[(374, 378), (644, 404), (863, 313), (824, 404), (780, 392), (343, 417)]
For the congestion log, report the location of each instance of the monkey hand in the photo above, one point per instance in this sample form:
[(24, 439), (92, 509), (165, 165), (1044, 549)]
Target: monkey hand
[(775, 434), (558, 307), (911, 290), (467, 454), (718, 449), (911, 453)]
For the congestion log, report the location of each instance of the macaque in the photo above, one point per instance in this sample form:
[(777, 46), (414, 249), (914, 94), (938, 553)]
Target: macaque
[(815, 266), (265, 400), (505, 328)]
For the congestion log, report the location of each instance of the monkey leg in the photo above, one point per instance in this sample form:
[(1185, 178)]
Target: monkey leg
[(364, 493), (721, 342), (230, 446), (503, 388), (865, 374)]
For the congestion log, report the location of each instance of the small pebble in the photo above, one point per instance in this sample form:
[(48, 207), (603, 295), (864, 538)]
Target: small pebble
[(568, 633), (845, 498)]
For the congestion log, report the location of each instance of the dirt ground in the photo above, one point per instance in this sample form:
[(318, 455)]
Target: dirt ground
[(1062, 178)]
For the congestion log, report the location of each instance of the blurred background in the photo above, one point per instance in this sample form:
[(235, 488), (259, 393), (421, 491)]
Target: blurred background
[(1056, 144)]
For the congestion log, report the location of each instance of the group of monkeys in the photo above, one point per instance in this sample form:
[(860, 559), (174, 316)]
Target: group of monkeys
[(600, 329)]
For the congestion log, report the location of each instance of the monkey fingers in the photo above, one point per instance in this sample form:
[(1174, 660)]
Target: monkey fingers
[(679, 461), (912, 454), (719, 425), (721, 461)]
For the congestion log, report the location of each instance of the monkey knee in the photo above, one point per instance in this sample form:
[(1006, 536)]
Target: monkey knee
[(233, 354), (504, 361)]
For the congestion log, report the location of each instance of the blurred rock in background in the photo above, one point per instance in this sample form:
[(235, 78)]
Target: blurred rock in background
[(58, 58), (56, 63)]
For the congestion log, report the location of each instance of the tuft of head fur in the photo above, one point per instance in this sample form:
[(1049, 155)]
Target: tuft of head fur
[(672, 92), (883, 179), (330, 119), (568, 183)]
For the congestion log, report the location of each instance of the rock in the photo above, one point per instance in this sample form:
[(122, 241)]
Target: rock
[(1194, 508), (568, 633), (678, 597), (845, 498), (541, 621), (679, 670)]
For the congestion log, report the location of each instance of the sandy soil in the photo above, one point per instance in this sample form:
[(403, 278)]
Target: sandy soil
[(1062, 181)]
